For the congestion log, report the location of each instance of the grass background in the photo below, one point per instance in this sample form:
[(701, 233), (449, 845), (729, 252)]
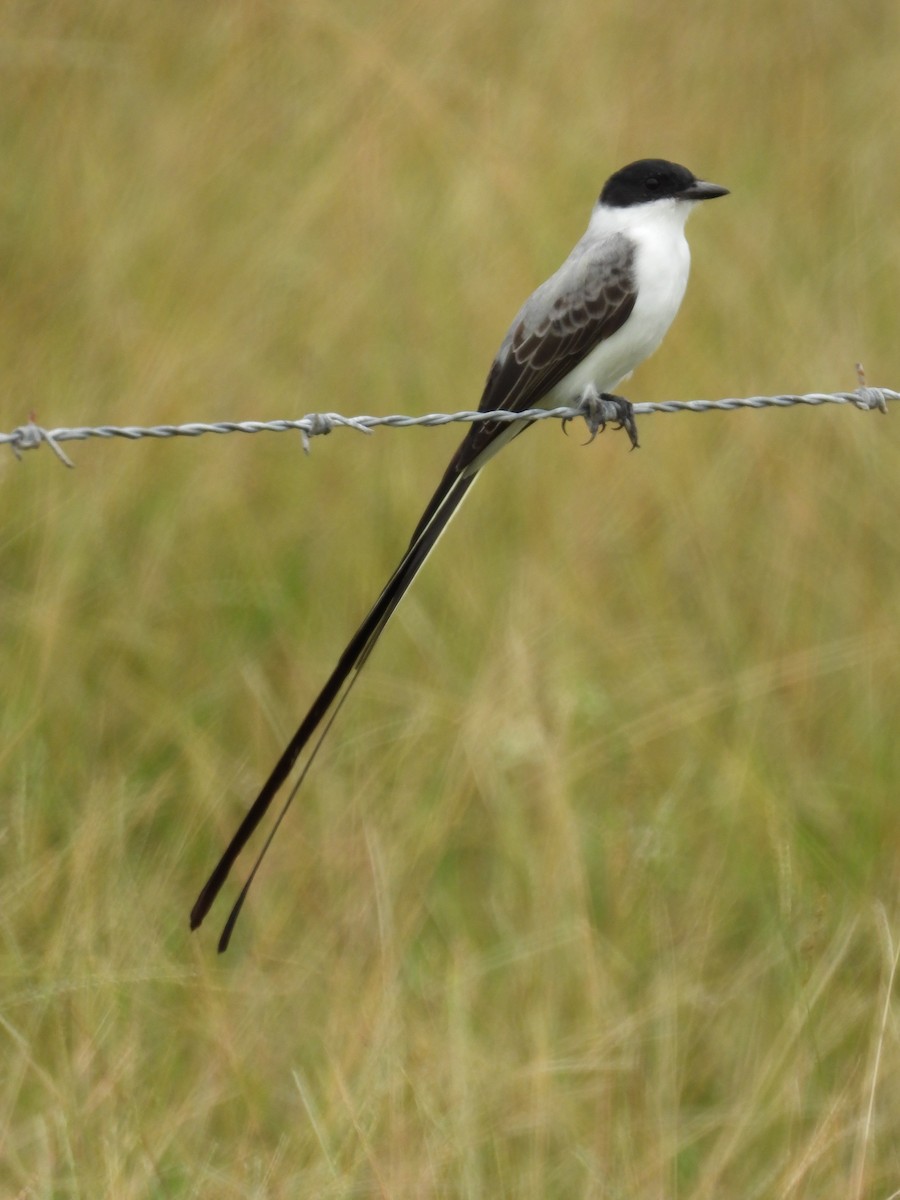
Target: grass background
[(594, 891)]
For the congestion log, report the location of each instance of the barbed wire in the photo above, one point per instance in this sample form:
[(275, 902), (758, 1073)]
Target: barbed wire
[(595, 411)]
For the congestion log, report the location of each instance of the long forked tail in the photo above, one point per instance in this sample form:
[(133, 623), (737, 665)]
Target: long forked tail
[(329, 700)]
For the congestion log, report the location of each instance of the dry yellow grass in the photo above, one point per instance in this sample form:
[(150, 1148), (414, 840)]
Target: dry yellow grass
[(594, 892)]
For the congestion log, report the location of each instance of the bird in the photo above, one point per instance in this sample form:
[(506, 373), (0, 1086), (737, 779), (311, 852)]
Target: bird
[(579, 335)]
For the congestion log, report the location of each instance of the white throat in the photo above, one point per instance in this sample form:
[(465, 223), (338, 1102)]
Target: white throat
[(664, 216)]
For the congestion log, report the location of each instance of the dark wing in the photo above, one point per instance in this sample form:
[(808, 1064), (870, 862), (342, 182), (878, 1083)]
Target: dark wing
[(585, 302)]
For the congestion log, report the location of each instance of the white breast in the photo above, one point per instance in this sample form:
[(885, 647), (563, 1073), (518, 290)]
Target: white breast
[(662, 265)]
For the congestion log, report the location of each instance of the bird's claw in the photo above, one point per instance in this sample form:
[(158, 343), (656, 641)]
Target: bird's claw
[(598, 408)]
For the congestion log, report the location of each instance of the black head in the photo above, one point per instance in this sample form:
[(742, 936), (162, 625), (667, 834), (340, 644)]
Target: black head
[(656, 179)]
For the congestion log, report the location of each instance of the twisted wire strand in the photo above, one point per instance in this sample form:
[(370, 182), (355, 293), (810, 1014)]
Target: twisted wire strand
[(31, 436)]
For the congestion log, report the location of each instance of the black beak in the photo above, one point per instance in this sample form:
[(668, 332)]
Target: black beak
[(701, 190)]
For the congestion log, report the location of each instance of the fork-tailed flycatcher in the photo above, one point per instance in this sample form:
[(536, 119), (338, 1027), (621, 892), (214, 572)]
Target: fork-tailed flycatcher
[(580, 334)]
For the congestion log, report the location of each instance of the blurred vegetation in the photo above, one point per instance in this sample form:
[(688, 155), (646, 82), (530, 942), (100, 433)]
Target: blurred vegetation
[(593, 892)]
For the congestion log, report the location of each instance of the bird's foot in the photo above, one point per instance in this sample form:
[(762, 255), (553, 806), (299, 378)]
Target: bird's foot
[(598, 408)]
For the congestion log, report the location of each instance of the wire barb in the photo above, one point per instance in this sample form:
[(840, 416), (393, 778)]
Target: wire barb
[(31, 435), (319, 425)]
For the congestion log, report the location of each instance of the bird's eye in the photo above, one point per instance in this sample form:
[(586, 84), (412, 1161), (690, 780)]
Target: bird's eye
[(652, 183)]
